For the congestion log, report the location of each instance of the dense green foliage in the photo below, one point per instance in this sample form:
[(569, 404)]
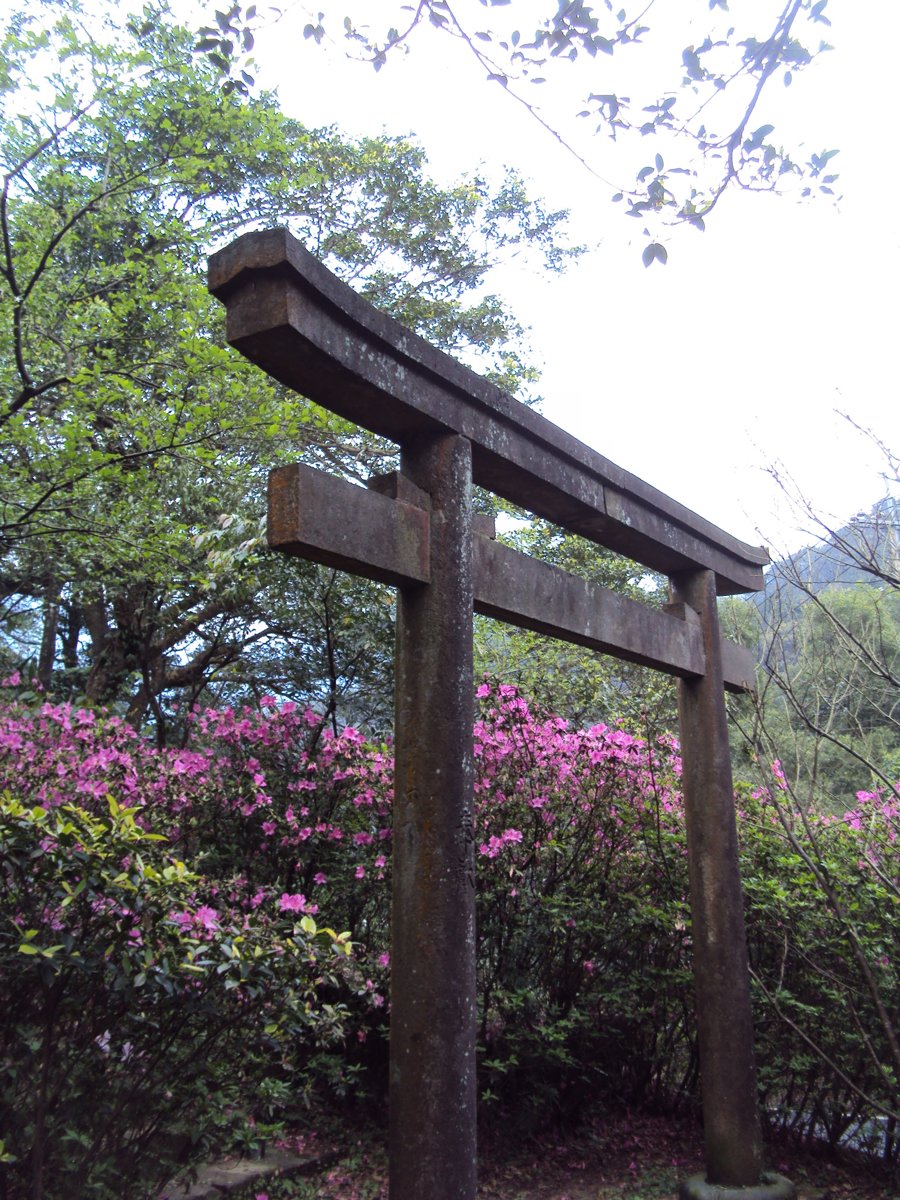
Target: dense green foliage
[(823, 899), (139, 1029)]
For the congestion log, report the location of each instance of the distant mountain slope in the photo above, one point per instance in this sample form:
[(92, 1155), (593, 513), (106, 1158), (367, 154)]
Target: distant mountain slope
[(865, 551)]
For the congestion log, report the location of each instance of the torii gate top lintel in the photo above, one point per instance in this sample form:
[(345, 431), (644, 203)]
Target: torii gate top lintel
[(318, 336)]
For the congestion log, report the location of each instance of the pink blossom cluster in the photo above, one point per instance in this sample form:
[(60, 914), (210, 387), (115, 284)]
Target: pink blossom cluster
[(558, 781), (874, 822), (291, 818), (287, 802)]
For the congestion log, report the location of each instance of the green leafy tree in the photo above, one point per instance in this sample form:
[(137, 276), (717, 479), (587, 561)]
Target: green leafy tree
[(845, 685), (703, 109), (134, 444)]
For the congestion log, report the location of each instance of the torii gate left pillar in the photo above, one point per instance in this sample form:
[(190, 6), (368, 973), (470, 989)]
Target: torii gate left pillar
[(433, 1017)]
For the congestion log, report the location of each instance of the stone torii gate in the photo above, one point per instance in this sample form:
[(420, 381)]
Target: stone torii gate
[(415, 529)]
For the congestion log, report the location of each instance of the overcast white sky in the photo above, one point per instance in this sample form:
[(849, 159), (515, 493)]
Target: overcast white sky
[(735, 355)]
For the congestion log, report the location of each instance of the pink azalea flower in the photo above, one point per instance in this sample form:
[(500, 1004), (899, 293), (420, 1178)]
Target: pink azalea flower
[(207, 917)]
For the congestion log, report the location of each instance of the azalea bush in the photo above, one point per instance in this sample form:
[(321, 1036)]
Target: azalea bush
[(145, 1005), (263, 802), (585, 987), (272, 806), (279, 822), (584, 980)]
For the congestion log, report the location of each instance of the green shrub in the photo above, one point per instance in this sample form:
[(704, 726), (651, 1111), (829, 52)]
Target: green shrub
[(823, 916), (140, 1016)]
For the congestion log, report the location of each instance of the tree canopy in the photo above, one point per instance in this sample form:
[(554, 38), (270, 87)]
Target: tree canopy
[(685, 96), (133, 442)]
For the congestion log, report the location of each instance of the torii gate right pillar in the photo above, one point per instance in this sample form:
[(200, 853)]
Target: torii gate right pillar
[(721, 969), (433, 1100)]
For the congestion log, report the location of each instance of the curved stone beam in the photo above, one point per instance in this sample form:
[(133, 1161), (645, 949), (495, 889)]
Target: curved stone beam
[(303, 326)]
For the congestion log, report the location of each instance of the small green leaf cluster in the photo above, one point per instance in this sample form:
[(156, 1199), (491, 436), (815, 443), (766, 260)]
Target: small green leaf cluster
[(226, 46)]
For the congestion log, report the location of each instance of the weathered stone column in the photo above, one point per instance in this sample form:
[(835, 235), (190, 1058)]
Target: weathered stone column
[(721, 969), (432, 1082)]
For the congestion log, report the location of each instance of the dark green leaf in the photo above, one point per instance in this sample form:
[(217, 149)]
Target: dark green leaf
[(757, 137), (691, 63)]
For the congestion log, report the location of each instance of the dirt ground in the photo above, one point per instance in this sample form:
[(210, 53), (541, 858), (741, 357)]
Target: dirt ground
[(629, 1158), (642, 1158)]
